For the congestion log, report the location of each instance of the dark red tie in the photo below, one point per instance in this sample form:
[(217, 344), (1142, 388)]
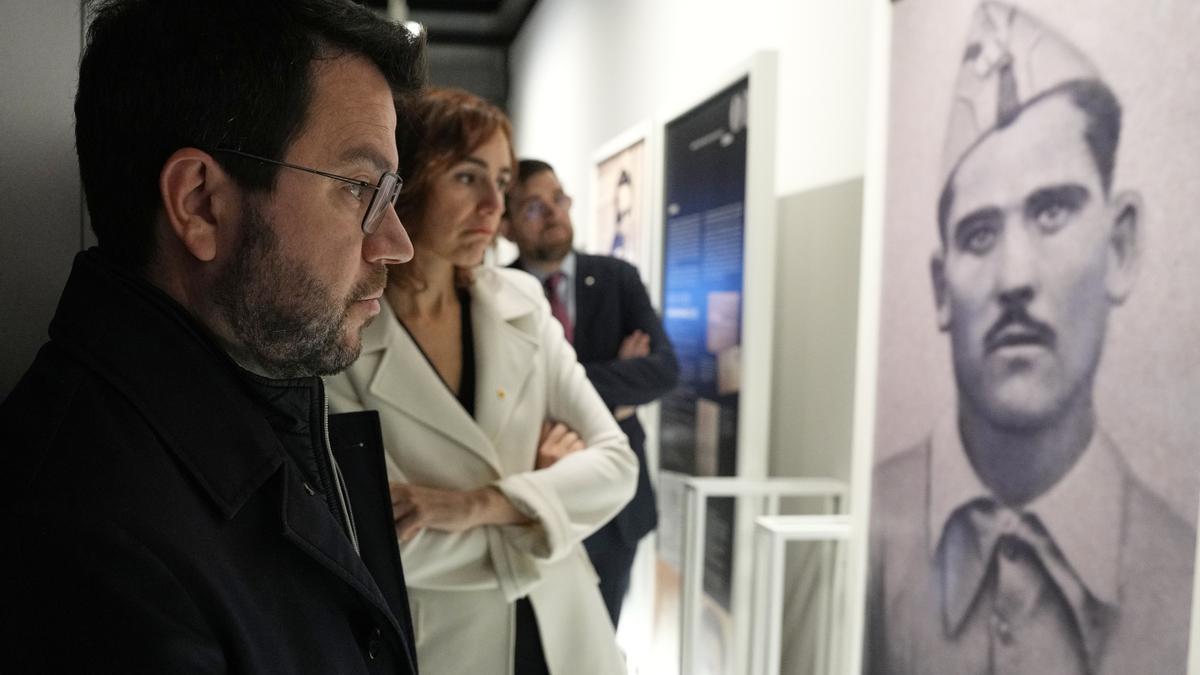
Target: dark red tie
[(559, 308)]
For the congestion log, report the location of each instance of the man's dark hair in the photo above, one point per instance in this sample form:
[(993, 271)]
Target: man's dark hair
[(157, 76), (526, 169), (1102, 135)]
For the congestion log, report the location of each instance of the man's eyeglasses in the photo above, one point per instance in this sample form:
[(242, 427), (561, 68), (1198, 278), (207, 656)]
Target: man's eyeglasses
[(385, 191), (537, 209)]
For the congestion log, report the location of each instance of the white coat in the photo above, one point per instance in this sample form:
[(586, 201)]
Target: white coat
[(462, 586)]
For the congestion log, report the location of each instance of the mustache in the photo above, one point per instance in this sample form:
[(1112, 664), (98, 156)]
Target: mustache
[(1014, 327), (371, 286)]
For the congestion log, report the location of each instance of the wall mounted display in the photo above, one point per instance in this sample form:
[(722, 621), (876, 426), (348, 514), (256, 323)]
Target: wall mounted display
[(1036, 461), (717, 293), (704, 189)]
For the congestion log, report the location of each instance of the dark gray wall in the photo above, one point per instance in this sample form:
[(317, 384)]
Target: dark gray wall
[(40, 193), (480, 69)]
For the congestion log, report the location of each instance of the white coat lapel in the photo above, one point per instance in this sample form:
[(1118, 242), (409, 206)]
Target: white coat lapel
[(505, 349), (407, 381)]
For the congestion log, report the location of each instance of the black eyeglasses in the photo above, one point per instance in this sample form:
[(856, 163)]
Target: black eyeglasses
[(538, 210), (386, 190)]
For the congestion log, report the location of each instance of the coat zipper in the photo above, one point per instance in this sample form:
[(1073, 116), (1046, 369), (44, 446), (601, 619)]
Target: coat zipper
[(339, 482)]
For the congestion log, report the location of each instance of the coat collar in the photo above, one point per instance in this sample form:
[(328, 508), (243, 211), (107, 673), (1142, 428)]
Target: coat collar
[(589, 288), (1082, 512), (505, 346), (1078, 535), (208, 412), (568, 266), (150, 350)]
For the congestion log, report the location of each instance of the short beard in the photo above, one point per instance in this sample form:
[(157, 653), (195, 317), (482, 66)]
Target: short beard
[(547, 253), (283, 319)]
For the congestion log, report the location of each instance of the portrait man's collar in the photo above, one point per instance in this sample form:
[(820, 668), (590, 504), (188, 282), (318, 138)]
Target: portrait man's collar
[(1081, 514)]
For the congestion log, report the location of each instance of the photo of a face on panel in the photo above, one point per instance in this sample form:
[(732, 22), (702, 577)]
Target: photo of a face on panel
[(1036, 465)]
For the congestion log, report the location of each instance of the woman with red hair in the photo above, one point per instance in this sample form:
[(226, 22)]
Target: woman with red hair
[(502, 457)]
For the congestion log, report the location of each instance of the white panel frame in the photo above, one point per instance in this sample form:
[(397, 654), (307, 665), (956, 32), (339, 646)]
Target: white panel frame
[(866, 369)]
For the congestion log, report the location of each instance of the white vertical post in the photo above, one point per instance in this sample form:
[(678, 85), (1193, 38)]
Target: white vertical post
[(695, 506), (759, 623), (772, 504), (838, 618), (774, 604)]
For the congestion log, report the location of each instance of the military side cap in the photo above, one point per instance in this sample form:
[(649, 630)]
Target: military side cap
[(1010, 58)]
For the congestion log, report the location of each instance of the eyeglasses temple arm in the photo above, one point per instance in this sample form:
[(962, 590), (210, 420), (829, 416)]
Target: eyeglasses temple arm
[(276, 162)]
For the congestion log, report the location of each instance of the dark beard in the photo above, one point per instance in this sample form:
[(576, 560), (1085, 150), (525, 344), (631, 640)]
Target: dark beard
[(544, 252), (283, 318), (551, 252)]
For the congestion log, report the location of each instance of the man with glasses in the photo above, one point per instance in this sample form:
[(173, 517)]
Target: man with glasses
[(175, 504), (607, 316)]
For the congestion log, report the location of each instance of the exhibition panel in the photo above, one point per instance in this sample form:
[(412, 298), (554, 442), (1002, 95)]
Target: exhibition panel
[(1029, 450), (718, 276)]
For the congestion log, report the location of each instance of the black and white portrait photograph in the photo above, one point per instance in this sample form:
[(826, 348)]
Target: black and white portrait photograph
[(617, 227), (1037, 442)]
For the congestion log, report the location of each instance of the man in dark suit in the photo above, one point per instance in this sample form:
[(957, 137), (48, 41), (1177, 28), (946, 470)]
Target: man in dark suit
[(606, 314), (173, 502)]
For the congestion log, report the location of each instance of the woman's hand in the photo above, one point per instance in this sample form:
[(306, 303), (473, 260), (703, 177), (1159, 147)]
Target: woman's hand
[(415, 508), (556, 441)]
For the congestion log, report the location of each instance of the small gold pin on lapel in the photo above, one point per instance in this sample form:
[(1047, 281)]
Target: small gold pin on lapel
[(500, 393), (589, 280)]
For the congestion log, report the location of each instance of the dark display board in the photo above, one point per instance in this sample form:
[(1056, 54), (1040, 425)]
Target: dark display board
[(704, 192)]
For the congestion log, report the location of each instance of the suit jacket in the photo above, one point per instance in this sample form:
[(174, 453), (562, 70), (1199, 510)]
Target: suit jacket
[(156, 523), (610, 303), (462, 585)]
